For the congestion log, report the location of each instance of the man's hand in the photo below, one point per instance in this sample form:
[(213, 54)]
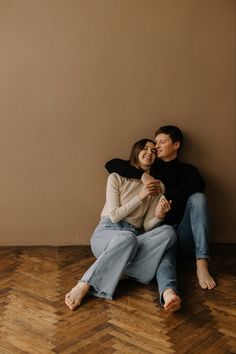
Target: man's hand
[(163, 206), (152, 184)]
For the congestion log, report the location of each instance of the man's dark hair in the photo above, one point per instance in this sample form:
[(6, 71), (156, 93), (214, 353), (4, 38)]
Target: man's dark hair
[(137, 147), (174, 133)]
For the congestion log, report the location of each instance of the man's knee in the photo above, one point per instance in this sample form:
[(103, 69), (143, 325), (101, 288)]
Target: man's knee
[(198, 199)]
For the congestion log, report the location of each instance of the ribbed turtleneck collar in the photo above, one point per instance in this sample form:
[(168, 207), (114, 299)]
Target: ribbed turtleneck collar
[(171, 163)]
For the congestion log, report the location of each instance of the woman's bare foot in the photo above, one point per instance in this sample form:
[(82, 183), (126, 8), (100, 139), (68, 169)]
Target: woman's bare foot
[(205, 279), (74, 297), (172, 300)]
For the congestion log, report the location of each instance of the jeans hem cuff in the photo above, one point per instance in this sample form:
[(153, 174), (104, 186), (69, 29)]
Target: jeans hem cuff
[(99, 293)]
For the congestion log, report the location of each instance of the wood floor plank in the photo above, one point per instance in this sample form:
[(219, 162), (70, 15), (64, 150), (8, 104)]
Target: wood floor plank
[(34, 318)]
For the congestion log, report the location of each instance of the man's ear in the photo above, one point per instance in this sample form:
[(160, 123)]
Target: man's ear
[(177, 145)]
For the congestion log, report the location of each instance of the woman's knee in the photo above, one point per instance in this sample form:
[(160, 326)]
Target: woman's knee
[(169, 233), (163, 232), (128, 242), (127, 239)]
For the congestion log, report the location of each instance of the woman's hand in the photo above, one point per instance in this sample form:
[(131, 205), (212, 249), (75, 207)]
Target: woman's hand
[(163, 206), (152, 184), (145, 191)]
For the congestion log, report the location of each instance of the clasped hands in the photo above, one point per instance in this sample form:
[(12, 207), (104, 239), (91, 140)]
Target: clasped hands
[(151, 187)]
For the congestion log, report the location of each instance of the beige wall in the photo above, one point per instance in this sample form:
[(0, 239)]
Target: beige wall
[(80, 81)]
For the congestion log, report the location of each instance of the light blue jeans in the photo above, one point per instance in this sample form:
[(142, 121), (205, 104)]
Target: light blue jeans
[(119, 247), (192, 238)]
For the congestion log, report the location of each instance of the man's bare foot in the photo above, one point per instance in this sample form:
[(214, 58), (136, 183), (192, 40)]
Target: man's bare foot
[(172, 300), (74, 297), (205, 279)]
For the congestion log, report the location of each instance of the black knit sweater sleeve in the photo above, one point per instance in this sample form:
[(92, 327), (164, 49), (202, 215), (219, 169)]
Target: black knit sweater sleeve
[(123, 168)]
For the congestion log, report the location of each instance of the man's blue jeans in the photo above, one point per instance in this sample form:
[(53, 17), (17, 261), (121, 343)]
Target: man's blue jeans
[(192, 235)]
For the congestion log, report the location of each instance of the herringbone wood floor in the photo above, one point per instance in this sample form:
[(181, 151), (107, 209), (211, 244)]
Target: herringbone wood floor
[(34, 319)]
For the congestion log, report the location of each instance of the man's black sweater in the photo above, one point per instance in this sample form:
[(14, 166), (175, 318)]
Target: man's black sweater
[(180, 179)]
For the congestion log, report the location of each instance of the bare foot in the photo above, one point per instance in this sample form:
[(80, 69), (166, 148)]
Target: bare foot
[(74, 297), (205, 279), (172, 300)]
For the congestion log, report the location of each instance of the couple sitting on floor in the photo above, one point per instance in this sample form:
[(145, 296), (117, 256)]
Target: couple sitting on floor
[(155, 208)]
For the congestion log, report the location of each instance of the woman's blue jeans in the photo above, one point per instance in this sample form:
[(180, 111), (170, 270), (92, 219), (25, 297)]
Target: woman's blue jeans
[(192, 238), (119, 247)]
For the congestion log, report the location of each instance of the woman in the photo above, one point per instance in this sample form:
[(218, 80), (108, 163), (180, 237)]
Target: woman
[(127, 238)]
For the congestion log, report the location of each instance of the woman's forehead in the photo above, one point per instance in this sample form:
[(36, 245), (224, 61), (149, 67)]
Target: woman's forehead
[(149, 144)]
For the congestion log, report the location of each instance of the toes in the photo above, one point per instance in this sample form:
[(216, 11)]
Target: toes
[(71, 307), (67, 297), (203, 285), (207, 284), (173, 305), (71, 304), (211, 285), (68, 300)]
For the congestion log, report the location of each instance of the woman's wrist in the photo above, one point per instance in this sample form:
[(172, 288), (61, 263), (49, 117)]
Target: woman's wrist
[(160, 215), (142, 196)]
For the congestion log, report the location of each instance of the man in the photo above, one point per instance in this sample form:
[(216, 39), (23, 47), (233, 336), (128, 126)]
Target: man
[(188, 214)]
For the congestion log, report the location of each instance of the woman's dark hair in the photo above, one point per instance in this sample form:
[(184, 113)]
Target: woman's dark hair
[(174, 133), (137, 147)]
